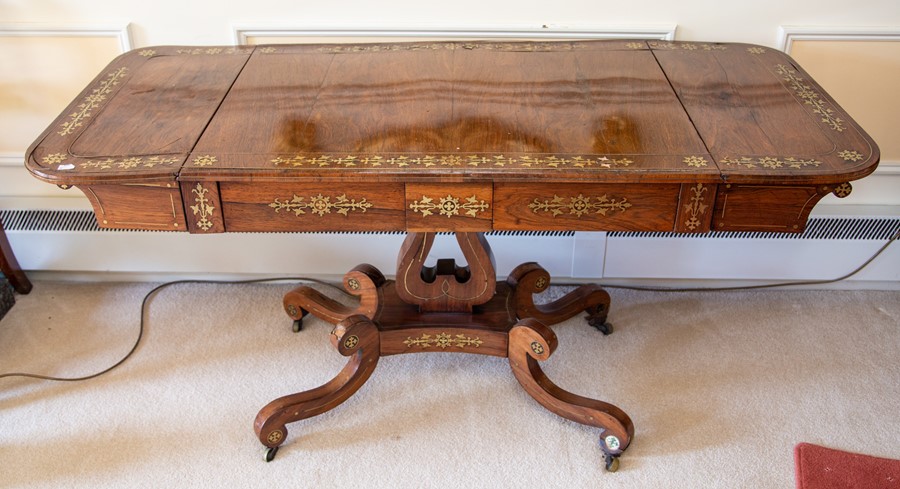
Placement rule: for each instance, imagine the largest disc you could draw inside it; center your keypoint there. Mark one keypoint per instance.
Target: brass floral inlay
(449, 206)
(351, 341)
(695, 161)
(771, 162)
(848, 155)
(696, 208)
(810, 97)
(205, 160)
(580, 205)
(321, 205)
(54, 159)
(453, 160)
(842, 190)
(203, 207)
(147, 53)
(635, 45)
(537, 348)
(275, 436)
(756, 50)
(92, 101)
(443, 341)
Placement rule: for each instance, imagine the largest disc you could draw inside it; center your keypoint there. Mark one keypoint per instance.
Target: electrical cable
(156, 289)
(761, 286)
(141, 326)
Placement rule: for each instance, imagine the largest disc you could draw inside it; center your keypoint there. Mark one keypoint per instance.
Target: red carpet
(823, 468)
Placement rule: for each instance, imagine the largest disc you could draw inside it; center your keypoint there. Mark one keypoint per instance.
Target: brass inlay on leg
(275, 436)
(351, 341)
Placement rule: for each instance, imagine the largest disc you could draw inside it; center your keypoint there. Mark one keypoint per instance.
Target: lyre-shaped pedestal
(447, 308)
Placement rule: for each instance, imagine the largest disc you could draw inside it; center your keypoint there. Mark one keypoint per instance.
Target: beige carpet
(721, 387)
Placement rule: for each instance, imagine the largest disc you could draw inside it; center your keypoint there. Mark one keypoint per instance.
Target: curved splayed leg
(530, 341)
(356, 337)
(530, 278)
(363, 281)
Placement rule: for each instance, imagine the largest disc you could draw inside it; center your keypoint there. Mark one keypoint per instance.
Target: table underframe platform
(447, 308)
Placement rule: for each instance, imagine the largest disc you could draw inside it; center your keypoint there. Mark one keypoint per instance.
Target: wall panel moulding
(260, 33)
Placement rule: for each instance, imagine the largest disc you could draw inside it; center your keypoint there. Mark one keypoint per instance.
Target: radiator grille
(817, 228)
(854, 228)
(83, 220)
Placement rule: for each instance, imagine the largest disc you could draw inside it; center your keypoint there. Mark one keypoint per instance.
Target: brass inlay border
(439, 46)
(443, 341)
(109, 163)
(213, 50)
(771, 162)
(92, 101)
(580, 205)
(203, 207)
(449, 206)
(430, 161)
(696, 208)
(321, 205)
(810, 97)
(687, 46)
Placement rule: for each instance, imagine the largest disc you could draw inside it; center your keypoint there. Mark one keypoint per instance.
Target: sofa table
(461, 137)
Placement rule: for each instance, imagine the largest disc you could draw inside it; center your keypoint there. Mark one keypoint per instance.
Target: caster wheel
(297, 326)
(270, 453)
(612, 463)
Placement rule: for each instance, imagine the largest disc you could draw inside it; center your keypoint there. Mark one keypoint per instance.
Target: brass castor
(602, 326)
(612, 463)
(270, 453)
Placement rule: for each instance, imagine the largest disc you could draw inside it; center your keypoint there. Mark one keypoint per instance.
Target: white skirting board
(642, 258)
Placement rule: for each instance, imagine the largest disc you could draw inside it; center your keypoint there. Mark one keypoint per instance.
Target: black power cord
(144, 304)
(327, 284)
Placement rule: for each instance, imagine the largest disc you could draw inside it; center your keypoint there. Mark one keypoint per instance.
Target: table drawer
(777, 208)
(137, 206)
(284, 207)
(587, 207)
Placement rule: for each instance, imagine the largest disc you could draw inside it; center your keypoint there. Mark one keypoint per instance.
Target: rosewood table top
(455, 136)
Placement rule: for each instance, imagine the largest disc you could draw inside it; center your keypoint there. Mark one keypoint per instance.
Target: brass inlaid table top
(453, 136)
(338, 137)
